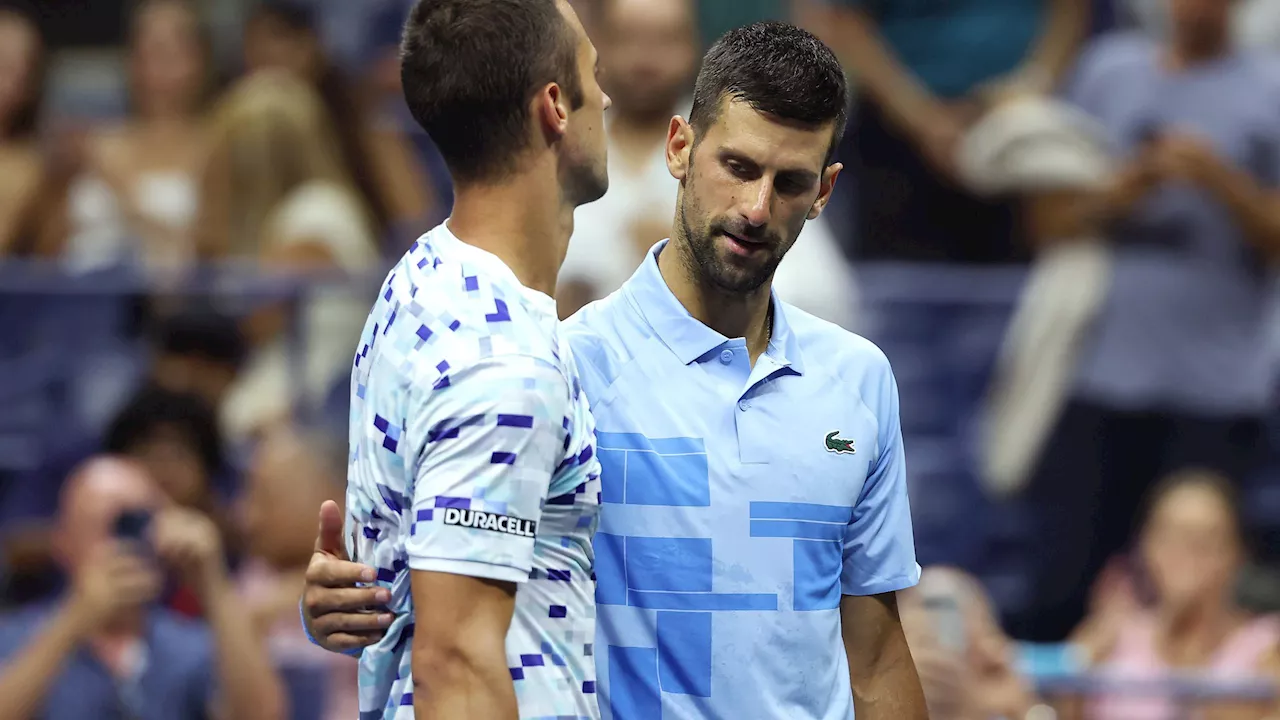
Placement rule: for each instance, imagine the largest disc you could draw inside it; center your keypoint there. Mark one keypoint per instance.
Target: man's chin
(732, 275)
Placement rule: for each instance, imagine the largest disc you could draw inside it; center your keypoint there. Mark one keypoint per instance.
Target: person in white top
(136, 197)
(277, 192)
(649, 56)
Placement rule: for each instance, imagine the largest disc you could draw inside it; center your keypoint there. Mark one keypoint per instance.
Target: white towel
(1030, 145)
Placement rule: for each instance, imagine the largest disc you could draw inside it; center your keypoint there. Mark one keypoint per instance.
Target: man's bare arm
(27, 678)
(881, 673)
(459, 647)
(854, 35)
(1066, 25)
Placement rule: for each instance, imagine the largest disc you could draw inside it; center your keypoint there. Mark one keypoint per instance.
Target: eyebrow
(797, 174)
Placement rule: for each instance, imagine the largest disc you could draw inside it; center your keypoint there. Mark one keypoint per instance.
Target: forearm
(1254, 208)
(464, 683)
(26, 679)
(888, 689)
(247, 680)
(1066, 25)
(880, 75)
(882, 674)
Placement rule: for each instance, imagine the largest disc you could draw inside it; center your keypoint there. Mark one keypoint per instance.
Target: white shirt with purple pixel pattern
(473, 453)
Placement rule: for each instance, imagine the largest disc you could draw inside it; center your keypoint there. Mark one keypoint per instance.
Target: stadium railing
(65, 329)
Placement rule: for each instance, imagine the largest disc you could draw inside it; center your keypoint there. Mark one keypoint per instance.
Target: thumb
(329, 538)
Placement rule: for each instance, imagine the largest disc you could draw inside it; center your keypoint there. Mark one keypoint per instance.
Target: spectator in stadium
(198, 351)
(1174, 373)
(648, 57)
(964, 659)
(278, 191)
(293, 471)
(1190, 553)
(1255, 23)
(282, 35)
(174, 435)
(136, 197)
(102, 650)
(925, 70)
(176, 438)
(21, 165)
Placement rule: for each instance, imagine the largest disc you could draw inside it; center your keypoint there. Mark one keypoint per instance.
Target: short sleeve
(879, 546)
(492, 441)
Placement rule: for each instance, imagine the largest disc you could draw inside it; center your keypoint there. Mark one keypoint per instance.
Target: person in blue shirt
(1175, 372)
(754, 521)
(104, 649)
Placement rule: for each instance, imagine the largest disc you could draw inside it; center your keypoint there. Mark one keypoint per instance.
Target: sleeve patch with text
(481, 520)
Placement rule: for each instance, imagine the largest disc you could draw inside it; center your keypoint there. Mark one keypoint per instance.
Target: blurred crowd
(1057, 218)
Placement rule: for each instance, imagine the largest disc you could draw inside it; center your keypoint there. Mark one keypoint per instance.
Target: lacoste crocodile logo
(838, 444)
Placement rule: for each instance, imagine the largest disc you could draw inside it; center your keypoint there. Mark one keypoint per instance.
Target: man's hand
(339, 614)
(190, 542)
(1180, 156)
(113, 581)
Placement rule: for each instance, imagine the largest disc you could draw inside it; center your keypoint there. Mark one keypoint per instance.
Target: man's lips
(742, 246)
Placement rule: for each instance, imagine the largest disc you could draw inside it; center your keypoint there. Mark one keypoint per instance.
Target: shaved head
(95, 494)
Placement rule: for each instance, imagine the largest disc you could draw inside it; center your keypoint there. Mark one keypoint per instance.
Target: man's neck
(744, 315)
(1184, 56)
(524, 221)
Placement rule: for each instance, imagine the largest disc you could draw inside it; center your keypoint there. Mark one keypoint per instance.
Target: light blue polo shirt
(739, 504)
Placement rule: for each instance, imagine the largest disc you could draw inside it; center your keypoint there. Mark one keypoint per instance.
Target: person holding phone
(105, 649)
(964, 659)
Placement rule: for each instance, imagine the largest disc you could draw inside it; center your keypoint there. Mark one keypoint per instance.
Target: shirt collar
(688, 338)
(490, 264)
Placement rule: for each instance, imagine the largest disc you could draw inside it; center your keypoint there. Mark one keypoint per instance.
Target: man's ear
(825, 186)
(679, 147)
(551, 111)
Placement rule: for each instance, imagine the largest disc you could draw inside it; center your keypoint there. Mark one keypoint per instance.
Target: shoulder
(848, 362)
(1115, 52)
(23, 168)
(846, 354)
(602, 336)
(443, 313)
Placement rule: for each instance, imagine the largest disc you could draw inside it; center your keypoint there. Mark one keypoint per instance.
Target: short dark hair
(779, 70)
(469, 69)
(202, 332)
(154, 409)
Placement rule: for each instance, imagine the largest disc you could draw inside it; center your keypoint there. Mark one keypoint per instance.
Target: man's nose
(756, 206)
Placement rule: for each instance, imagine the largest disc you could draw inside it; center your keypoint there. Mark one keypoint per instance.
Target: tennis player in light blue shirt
(741, 504)
(754, 523)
